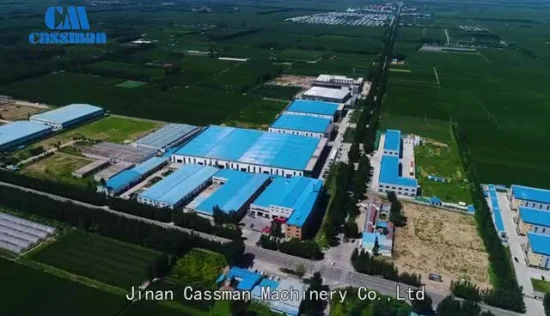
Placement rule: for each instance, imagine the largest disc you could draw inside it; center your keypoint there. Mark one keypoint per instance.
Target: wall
(328, 117)
(399, 190)
(295, 132)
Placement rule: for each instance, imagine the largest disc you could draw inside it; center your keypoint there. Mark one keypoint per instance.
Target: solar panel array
(18, 234)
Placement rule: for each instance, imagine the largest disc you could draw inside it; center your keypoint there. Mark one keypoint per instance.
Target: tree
(423, 307)
(300, 270)
(312, 305)
(546, 303)
(376, 247)
(392, 197)
(238, 308)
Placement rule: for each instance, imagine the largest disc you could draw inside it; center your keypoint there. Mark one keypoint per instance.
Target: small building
(15, 134)
(90, 168)
(392, 142)
(68, 116)
(327, 94)
(339, 82)
(391, 179)
(245, 279)
(289, 306)
(292, 200)
(112, 171)
(497, 214)
(327, 110)
(178, 188)
(167, 136)
(529, 197)
(127, 178)
(532, 220)
(116, 153)
(369, 240)
(537, 250)
(302, 125)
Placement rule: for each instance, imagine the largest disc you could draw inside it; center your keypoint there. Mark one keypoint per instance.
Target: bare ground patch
(14, 112)
(290, 80)
(441, 242)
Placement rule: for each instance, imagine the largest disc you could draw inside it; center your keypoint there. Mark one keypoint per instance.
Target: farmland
(106, 260)
(41, 293)
(275, 92)
(58, 168)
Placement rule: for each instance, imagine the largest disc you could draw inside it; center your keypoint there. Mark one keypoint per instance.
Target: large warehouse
(392, 180)
(392, 142)
(68, 116)
(19, 133)
(327, 94)
(302, 125)
(529, 197)
(231, 191)
(127, 178)
(292, 200)
(168, 136)
(179, 187)
(320, 109)
(252, 151)
(532, 220)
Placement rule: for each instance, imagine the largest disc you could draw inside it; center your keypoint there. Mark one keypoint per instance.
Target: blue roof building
(235, 191)
(313, 108)
(392, 142)
(538, 253)
(246, 279)
(127, 178)
(179, 187)
(19, 133)
(252, 151)
(293, 199)
(68, 116)
(534, 216)
(167, 136)
(391, 180)
(302, 125)
(289, 306)
(499, 223)
(530, 197)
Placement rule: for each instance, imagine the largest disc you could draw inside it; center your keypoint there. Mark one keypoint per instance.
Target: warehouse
(231, 191)
(112, 171)
(166, 137)
(302, 125)
(391, 180)
(179, 187)
(127, 178)
(392, 142)
(529, 197)
(497, 212)
(320, 109)
(532, 220)
(68, 116)
(118, 153)
(252, 151)
(339, 82)
(327, 94)
(538, 250)
(20, 133)
(293, 200)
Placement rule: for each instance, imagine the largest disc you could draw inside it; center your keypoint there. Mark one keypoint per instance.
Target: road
(336, 276)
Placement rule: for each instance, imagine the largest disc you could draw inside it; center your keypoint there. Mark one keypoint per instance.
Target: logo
(66, 19)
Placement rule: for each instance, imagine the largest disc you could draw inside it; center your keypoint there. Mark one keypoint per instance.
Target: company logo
(67, 19)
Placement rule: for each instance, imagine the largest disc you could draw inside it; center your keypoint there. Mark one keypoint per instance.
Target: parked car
(516, 259)
(435, 277)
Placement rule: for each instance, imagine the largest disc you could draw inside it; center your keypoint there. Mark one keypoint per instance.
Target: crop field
(242, 76)
(443, 242)
(103, 259)
(124, 70)
(434, 129)
(39, 293)
(130, 84)
(272, 91)
(353, 65)
(259, 115)
(58, 168)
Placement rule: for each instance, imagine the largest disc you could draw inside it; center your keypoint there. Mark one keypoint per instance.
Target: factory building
(178, 188)
(532, 220)
(537, 250)
(302, 125)
(391, 178)
(68, 116)
(116, 153)
(20, 133)
(252, 151)
(529, 197)
(339, 82)
(327, 94)
(166, 137)
(497, 213)
(231, 191)
(392, 143)
(128, 178)
(326, 110)
(291, 200)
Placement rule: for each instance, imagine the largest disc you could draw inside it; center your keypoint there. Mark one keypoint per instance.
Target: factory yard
(442, 242)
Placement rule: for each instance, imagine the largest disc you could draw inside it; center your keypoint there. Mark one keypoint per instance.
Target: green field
(59, 168)
(103, 259)
(114, 129)
(259, 115)
(540, 285)
(37, 293)
(275, 92)
(433, 129)
(130, 84)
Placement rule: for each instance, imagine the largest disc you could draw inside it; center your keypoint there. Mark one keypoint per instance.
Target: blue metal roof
(253, 147)
(150, 164)
(392, 140)
(247, 279)
(313, 107)
(67, 113)
(234, 193)
(496, 209)
(20, 129)
(389, 173)
(298, 193)
(127, 177)
(531, 194)
(265, 283)
(172, 189)
(540, 243)
(534, 216)
(382, 224)
(302, 123)
(166, 136)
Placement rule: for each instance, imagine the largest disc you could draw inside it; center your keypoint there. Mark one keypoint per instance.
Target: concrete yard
(443, 242)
